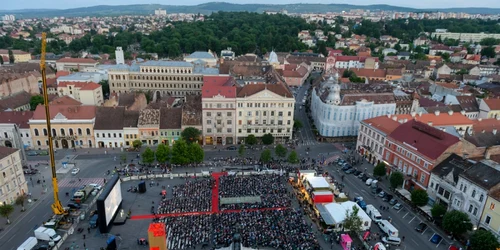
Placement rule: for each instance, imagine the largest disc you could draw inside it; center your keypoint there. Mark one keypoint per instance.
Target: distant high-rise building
(9, 18)
(160, 12)
(120, 59)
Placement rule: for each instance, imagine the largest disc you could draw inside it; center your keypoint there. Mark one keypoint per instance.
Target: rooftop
(130, 118)
(438, 119)
(65, 100)
(15, 101)
(167, 64)
(76, 60)
(109, 118)
(482, 175)
(252, 89)
(20, 118)
(218, 85)
(149, 117)
(192, 111)
(428, 141)
(70, 112)
(6, 151)
(493, 104)
(201, 54)
(382, 123)
(170, 118)
(454, 165)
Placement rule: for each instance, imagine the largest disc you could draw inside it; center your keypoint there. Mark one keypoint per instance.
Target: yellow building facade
(490, 218)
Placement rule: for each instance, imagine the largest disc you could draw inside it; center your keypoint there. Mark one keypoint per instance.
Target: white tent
(318, 183)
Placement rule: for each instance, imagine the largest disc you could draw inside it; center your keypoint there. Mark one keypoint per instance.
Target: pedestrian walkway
(331, 159)
(152, 216)
(307, 143)
(339, 146)
(78, 182)
(215, 191)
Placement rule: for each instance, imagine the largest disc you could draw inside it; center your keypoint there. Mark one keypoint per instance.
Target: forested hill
(207, 8)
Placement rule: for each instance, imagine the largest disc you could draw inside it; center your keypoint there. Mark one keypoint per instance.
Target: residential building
(338, 113)
(192, 113)
(465, 37)
(490, 217)
(469, 105)
(13, 183)
(75, 64)
(15, 131)
(163, 78)
(420, 41)
(263, 109)
(474, 185)
(207, 57)
(357, 62)
(170, 125)
(130, 129)
(437, 119)
(17, 102)
(72, 126)
(131, 101)
(219, 110)
(12, 83)
(489, 108)
(444, 178)
(108, 127)
(149, 126)
(414, 148)
(88, 93)
(120, 58)
(19, 55)
(372, 135)
(295, 75)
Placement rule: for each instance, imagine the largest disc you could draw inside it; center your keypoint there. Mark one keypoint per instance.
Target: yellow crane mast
(57, 208)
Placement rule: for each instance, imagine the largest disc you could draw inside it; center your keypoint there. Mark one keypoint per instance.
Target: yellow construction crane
(57, 208)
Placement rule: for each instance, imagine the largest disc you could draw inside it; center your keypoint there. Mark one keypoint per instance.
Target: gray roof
(205, 71)
(167, 64)
(6, 151)
(453, 164)
(201, 54)
(482, 175)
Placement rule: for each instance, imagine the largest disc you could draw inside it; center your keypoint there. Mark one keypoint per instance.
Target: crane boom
(57, 207)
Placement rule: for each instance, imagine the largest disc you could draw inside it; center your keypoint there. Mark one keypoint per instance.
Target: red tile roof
(426, 140)
(90, 86)
(215, 85)
(71, 112)
(20, 118)
(443, 119)
(65, 100)
(382, 123)
(81, 85)
(493, 104)
(62, 73)
(354, 58)
(76, 60)
(486, 124)
(252, 89)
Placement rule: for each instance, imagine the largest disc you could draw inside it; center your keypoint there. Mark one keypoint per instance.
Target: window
(70, 131)
(38, 143)
(475, 211)
(63, 133)
(97, 135)
(114, 135)
(88, 131)
(44, 132)
(209, 113)
(473, 193)
(229, 114)
(54, 132)
(470, 208)
(229, 122)
(229, 130)
(209, 130)
(487, 220)
(36, 132)
(79, 131)
(481, 197)
(209, 121)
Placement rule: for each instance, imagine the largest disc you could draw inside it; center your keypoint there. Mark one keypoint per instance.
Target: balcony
(219, 125)
(260, 126)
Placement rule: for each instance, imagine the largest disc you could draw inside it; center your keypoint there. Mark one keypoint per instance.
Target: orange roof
(71, 112)
(80, 85)
(62, 73)
(486, 124)
(443, 119)
(65, 100)
(382, 123)
(493, 104)
(90, 86)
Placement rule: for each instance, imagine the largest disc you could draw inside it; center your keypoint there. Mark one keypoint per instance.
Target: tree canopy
(438, 211)
(6, 210)
(379, 170)
(456, 222)
(483, 240)
(293, 158)
(180, 152)
(280, 151)
(419, 197)
(396, 179)
(268, 139)
(137, 144)
(266, 156)
(35, 101)
(251, 140)
(162, 153)
(148, 156)
(352, 221)
(191, 134)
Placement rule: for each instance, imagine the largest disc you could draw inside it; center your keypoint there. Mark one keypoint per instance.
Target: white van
(369, 181)
(374, 183)
(392, 240)
(388, 228)
(373, 213)
(28, 244)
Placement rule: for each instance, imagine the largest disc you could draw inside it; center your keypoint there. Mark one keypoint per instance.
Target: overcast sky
(66, 4)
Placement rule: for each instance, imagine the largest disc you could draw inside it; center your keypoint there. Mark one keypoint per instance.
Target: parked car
(74, 205)
(357, 172)
(388, 197)
(231, 148)
(365, 178)
(369, 181)
(382, 194)
(398, 206)
(43, 152)
(32, 153)
(95, 186)
(340, 162)
(393, 201)
(75, 171)
(350, 171)
(346, 167)
(436, 238)
(421, 227)
(361, 175)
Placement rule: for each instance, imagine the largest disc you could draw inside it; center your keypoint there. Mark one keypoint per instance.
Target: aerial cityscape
(242, 125)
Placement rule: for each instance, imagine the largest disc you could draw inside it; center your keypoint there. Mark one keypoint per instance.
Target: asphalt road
(404, 220)
(304, 135)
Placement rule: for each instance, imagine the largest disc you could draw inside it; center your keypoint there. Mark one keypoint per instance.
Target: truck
(81, 195)
(47, 234)
(373, 213)
(359, 200)
(388, 228)
(28, 244)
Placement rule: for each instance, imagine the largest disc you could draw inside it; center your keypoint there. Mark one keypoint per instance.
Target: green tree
(489, 41)
(241, 150)
(191, 134)
(267, 139)
(438, 211)
(105, 87)
(137, 144)
(280, 151)
(11, 57)
(123, 157)
(379, 170)
(196, 153)
(265, 156)
(352, 221)
(6, 210)
(483, 240)
(251, 140)
(162, 153)
(488, 52)
(419, 197)
(35, 101)
(293, 158)
(20, 201)
(180, 153)
(456, 222)
(148, 156)
(297, 124)
(396, 179)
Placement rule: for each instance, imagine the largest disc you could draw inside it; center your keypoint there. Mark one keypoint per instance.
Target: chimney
(494, 131)
(420, 113)
(388, 115)
(394, 118)
(487, 154)
(450, 112)
(413, 114)
(429, 123)
(437, 112)
(462, 112)
(479, 119)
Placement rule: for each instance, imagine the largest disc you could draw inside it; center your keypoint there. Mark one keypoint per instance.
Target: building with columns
(163, 78)
(219, 110)
(72, 126)
(264, 108)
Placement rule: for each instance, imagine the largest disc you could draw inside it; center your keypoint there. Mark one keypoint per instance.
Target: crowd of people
(271, 189)
(278, 229)
(193, 196)
(187, 232)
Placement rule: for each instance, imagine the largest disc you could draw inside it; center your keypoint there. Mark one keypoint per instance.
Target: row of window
(264, 113)
(157, 85)
(413, 157)
(103, 135)
(219, 114)
(166, 70)
(62, 132)
(264, 122)
(463, 188)
(219, 130)
(406, 168)
(219, 105)
(266, 105)
(56, 143)
(264, 131)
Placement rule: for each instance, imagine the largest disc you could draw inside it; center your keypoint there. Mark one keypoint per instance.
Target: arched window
(88, 131)
(63, 133)
(45, 132)
(70, 131)
(36, 132)
(54, 132)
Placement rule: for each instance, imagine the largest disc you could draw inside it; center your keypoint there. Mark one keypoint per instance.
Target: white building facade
(13, 183)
